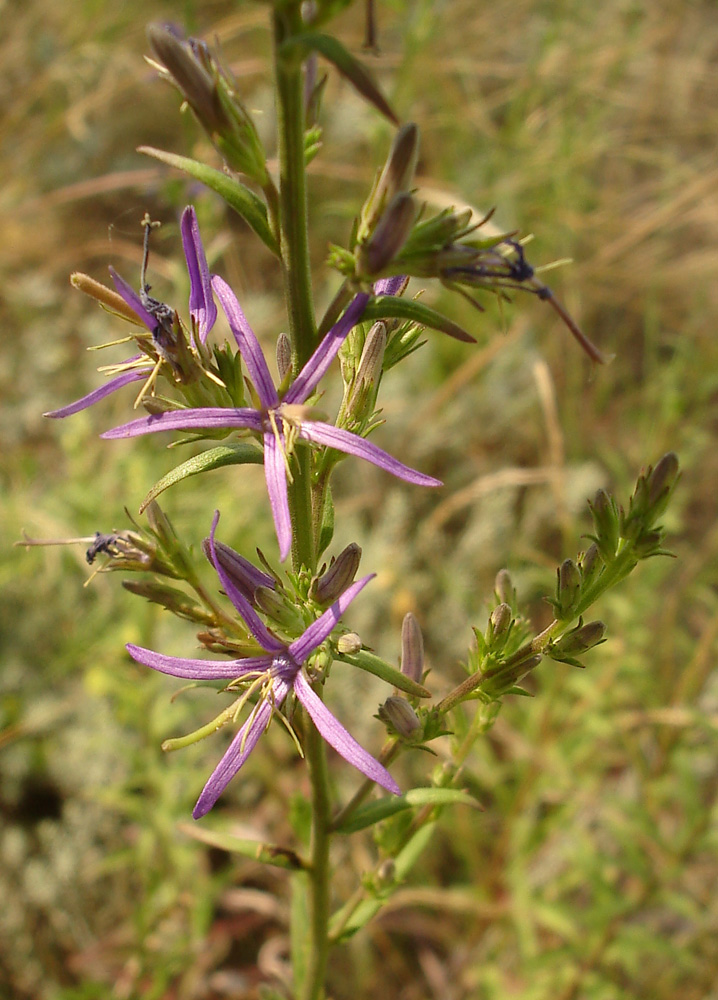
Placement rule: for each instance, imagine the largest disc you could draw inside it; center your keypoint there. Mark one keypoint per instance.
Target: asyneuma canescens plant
(284, 630)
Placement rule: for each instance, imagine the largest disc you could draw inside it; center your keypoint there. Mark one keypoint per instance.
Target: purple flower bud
(389, 236)
(335, 580)
(662, 478)
(412, 648)
(400, 717)
(569, 587)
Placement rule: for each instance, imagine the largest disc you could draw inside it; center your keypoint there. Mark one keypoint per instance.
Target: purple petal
(201, 304)
(198, 670)
(97, 394)
(239, 750)
(336, 736)
(248, 344)
(207, 418)
(352, 444)
(390, 286)
(255, 624)
(133, 300)
(244, 574)
(318, 631)
(275, 473)
(309, 377)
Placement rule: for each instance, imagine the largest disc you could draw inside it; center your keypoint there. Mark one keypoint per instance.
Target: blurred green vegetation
(591, 873)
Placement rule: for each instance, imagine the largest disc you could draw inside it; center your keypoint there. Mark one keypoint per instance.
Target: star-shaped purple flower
(279, 421)
(203, 314)
(278, 671)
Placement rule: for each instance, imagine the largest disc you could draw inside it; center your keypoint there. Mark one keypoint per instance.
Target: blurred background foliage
(591, 873)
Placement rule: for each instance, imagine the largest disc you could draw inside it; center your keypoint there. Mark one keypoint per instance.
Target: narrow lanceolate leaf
(241, 453)
(239, 197)
(268, 854)
(341, 929)
(349, 67)
(375, 812)
(380, 668)
(391, 307)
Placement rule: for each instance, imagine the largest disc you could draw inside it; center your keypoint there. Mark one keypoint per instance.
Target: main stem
(287, 23)
(319, 875)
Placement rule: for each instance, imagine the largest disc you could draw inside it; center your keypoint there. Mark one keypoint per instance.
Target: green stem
(294, 241)
(320, 875)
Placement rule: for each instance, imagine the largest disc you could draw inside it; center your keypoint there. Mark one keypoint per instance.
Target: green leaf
(239, 197)
(376, 812)
(393, 307)
(380, 668)
(349, 67)
(268, 854)
(404, 862)
(241, 453)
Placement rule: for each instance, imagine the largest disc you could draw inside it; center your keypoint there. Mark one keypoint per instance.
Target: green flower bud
(284, 356)
(500, 619)
(568, 587)
(504, 588)
(368, 370)
(581, 638)
(606, 521)
(349, 643)
(171, 598)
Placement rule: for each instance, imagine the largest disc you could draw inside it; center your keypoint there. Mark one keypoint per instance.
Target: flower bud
(590, 564)
(504, 588)
(389, 236)
(398, 715)
(284, 356)
(206, 88)
(241, 572)
(369, 368)
(661, 481)
(270, 602)
(500, 619)
(171, 598)
(412, 648)
(606, 521)
(349, 643)
(396, 177)
(340, 575)
(569, 587)
(581, 638)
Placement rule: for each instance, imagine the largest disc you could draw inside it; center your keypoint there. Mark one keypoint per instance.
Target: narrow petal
(390, 286)
(337, 736)
(309, 377)
(201, 304)
(198, 670)
(275, 472)
(133, 300)
(97, 394)
(318, 631)
(248, 344)
(242, 571)
(255, 624)
(352, 444)
(207, 418)
(239, 750)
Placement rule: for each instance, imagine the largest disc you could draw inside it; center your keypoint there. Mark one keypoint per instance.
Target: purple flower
(203, 313)
(279, 421)
(274, 674)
